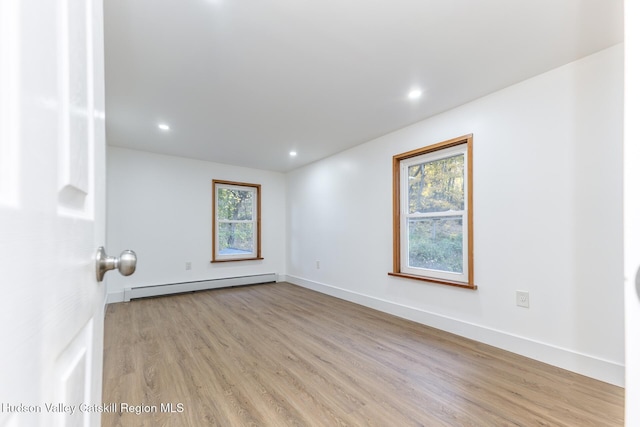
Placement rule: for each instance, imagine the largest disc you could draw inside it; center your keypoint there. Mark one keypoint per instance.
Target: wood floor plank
(281, 355)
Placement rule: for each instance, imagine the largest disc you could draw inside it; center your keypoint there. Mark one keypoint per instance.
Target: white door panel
(52, 144)
(632, 212)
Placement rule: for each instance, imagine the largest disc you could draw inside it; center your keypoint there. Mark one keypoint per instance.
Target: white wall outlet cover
(522, 299)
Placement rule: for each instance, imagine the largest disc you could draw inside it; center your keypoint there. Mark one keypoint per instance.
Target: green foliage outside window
(436, 244)
(235, 205)
(436, 186)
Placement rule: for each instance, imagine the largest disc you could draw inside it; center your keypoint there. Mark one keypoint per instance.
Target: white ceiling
(244, 82)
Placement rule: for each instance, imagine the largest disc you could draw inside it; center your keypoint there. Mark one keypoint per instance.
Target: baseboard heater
(176, 288)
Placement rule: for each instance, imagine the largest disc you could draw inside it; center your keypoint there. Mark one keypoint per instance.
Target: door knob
(125, 263)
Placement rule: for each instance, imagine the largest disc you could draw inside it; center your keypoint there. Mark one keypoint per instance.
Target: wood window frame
(257, 254)
(397, 216)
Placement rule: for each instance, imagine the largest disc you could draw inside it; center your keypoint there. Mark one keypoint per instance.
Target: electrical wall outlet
(522, 299)
(187, 265)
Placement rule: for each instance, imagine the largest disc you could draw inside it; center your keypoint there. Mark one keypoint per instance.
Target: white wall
(632, 210)
(160, 206)
(548, 220)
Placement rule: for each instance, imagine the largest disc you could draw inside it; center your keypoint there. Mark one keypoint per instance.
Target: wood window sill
(236, 259)
(432, 280)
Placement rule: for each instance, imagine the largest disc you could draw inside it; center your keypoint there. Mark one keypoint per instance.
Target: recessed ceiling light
(415, 94)
(293, 153)
(163, 126)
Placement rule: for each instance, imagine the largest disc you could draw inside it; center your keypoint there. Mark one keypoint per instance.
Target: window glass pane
(435, 243)
(235, 238)
(235, 204)
(437, 186)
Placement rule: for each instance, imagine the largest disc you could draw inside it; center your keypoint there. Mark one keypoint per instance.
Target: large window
(236, 221)
(432, 221)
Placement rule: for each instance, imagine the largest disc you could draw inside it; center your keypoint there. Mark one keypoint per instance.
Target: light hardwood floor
(281, 355)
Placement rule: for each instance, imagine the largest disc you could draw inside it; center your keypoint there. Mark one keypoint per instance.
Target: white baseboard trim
(584, 364)
(127, 294)
(114, 297)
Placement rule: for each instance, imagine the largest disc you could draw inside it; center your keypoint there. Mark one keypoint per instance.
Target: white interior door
(52, 178)
(632, 211)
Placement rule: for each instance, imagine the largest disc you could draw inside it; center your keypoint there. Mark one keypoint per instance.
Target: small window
(236, 221)
(433, 222)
